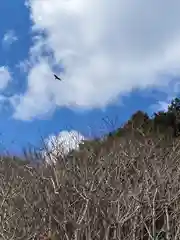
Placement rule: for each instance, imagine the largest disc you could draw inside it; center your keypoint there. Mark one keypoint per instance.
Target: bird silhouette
(56, 77)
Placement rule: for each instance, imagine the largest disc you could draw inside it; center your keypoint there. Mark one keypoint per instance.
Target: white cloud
(170, 92)
(61, 144)
(5, 77)
(107, 47)
(161, 106)
(9, 38)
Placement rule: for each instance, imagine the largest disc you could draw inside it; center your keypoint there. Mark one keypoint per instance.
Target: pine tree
(174, 108)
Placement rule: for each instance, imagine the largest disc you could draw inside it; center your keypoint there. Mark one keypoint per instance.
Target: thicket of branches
(125, 187)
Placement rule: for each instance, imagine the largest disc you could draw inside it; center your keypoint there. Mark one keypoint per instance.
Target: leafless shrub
(127, 190)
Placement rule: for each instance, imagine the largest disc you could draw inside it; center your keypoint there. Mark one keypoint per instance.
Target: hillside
(124, 187)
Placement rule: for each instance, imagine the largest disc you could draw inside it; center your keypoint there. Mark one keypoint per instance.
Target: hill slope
(125, 187)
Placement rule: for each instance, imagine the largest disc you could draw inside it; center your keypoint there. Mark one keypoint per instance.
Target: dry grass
(130, 191)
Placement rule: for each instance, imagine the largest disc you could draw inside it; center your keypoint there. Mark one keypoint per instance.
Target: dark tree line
(166, 123)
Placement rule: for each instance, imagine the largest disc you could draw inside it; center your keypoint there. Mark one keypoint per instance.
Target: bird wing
(57, 77)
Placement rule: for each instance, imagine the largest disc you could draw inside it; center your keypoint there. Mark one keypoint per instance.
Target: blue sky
(113, 58)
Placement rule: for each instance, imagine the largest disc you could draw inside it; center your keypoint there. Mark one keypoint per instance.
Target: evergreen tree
(174, 108)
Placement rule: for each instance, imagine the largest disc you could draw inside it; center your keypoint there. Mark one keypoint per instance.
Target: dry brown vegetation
(129, 191)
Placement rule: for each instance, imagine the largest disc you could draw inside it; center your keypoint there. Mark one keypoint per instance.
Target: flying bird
(56, 77)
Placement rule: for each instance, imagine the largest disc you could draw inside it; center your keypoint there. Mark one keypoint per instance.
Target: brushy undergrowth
(129, 191)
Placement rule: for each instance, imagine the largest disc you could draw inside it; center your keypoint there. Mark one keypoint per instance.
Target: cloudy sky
(114, 57)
